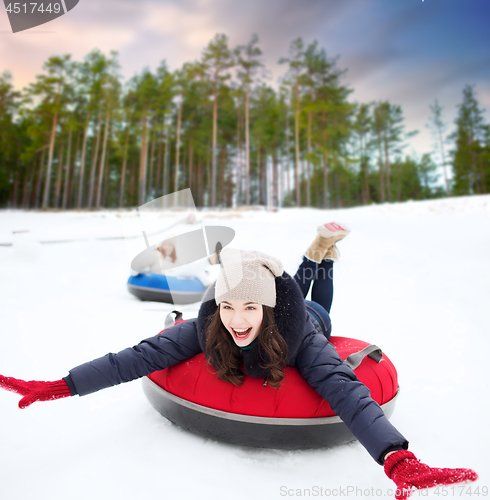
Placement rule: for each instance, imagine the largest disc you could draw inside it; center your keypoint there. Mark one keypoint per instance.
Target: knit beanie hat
(247, 275)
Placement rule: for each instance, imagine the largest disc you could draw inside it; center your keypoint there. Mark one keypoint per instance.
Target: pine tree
(469, 172)
(217, 58)
(111, 95)
(389, 132)
(146, 92)
(249, 63)
(293, 80)
(438, 127)
(362, 127)
(51, 91)
(332, 125)
(9, 104)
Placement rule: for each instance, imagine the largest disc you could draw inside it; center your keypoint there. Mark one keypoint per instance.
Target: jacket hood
(289, 314)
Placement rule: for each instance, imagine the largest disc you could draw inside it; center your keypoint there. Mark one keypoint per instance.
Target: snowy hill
(413, 278)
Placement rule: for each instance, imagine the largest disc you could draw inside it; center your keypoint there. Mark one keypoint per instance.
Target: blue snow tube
(170, 289)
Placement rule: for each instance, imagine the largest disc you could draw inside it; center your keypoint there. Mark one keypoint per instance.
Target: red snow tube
(292, 417)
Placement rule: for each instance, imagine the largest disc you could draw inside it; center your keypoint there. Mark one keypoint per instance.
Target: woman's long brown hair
(225, 356)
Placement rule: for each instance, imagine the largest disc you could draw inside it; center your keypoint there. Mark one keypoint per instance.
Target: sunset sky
(409, 52)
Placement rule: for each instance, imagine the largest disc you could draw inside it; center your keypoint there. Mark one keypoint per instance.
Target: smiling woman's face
(242, 319)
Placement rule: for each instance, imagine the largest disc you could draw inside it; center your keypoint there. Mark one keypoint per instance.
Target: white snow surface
(413, 278)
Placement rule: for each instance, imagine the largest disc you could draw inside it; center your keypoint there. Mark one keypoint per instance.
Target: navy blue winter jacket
(308, 350)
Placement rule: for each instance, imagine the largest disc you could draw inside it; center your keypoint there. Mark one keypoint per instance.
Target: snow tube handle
(170, 320)
(372, 351)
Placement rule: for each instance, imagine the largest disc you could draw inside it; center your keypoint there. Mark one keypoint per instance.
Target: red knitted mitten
(35, 391)
(409, 474)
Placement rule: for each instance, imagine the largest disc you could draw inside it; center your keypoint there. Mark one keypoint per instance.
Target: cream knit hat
(247, 275)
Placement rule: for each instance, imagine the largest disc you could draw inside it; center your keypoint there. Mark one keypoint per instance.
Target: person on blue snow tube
(254, 321)
(163, 259)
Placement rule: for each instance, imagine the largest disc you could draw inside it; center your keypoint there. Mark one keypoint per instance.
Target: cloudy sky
(409, 52)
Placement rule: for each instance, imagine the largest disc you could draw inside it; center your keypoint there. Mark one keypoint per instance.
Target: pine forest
(79, 137)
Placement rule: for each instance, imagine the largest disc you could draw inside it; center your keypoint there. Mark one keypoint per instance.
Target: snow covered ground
(414, 278)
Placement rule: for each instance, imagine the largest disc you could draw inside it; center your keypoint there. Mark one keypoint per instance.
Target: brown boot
(332, 253)
(323, 247)
(320, 246)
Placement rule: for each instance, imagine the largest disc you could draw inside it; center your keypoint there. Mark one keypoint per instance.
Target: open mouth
(241, 333)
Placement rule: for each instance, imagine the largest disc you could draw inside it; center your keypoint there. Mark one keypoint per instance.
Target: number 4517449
(461, 491)
(30, 8)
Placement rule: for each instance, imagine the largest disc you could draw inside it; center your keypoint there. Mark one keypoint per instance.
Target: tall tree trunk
(296, 146)
(40, 178)
(308, 163)
(229, 184)
(361, 170)
(81, 178)
(59, 175)
(238, 171)
(105, 184)
(275, 180)
(31, 202)
(367, 190)
(482, 175)
(476, 187)
(288, 158)
(67, 172)
(259, 177)
(381, 172)
(215, 141)
(326, 193)
(183, 162)
(221, 181)
(95, 154)
(14, 194)
(366, 195)
(443, 157)
(123, 168)
(24, 179)
(143, 160)
(71, 197)
(387, 169)
(177, 147)
(27, 188)
(166, 162)
(132, 183)
(347, 185)
(338, 194)
(199, 200)
(102, 157)
(247, 145)
(191, 159)
(24, 185)
(153, 140)
(208, 179)
(47, 184)
(161, 137)
(399, 182)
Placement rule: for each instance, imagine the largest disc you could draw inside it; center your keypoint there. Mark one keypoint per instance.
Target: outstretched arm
(321, 366)
(175, 344)
(323, 369)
